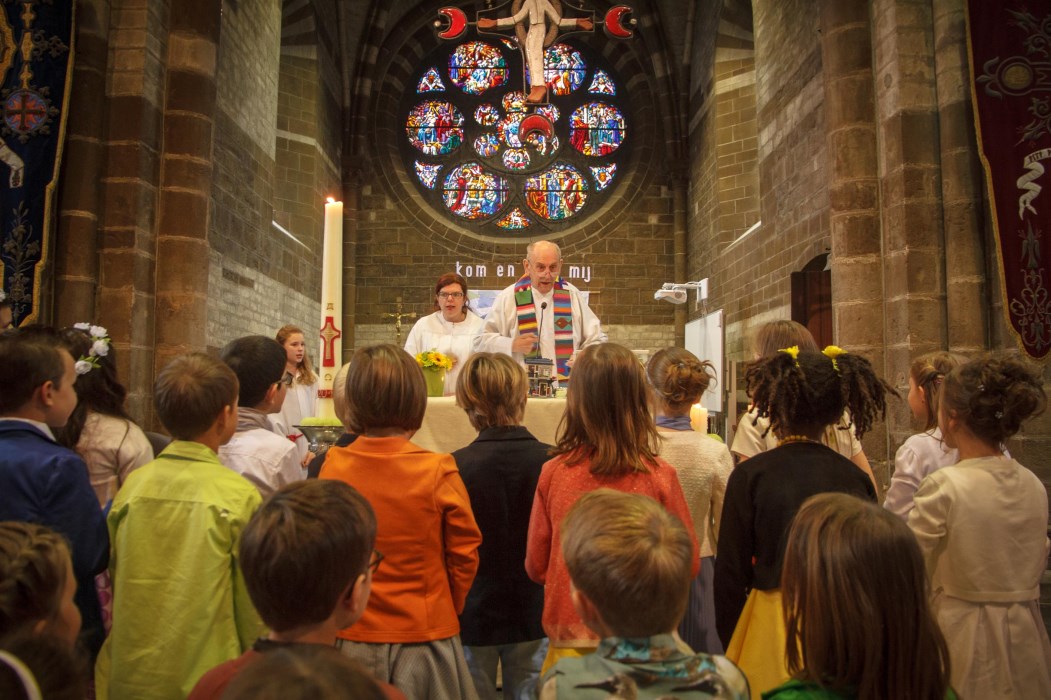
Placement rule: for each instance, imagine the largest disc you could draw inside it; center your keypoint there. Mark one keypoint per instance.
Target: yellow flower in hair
(832, 352)
(793, 351)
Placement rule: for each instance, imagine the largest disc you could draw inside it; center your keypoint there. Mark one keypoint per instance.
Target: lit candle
(699, 418)
(331, 307)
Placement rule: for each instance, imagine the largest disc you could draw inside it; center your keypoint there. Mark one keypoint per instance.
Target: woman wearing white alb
(450, 330)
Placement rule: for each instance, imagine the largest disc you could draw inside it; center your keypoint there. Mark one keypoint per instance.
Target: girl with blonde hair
(301, 397)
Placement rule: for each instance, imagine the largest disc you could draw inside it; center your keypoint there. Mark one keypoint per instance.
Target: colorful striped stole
(563, 309)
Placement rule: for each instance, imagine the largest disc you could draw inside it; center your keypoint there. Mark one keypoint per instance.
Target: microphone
(540, 330)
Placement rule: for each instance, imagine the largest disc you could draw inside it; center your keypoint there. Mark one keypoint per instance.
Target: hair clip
(832, 352)
(99, 347)
(999, 415)
(793, 351)
(981, 388)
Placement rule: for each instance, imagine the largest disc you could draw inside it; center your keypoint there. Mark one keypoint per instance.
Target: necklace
(796, 438)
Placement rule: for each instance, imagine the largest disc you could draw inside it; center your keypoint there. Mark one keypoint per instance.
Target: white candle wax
(331, 355)
(699, 418)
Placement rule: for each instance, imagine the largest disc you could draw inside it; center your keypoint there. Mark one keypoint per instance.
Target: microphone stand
(540, 331)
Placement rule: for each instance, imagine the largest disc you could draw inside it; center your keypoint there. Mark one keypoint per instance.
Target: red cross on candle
(329, 333)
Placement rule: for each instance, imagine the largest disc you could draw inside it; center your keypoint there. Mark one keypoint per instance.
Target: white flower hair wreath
(99, 347)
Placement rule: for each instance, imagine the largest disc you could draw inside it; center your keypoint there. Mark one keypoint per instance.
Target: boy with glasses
(255, 451)
(308, 562)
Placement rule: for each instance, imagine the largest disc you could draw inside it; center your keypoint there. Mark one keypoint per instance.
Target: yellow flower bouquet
(434, 360)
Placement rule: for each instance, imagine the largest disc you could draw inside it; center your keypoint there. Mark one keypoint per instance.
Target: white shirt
(266, 459)
(455, 339)
(300, 402)
(112, 448)
(749, 440)
(501, 325)
(918, 457)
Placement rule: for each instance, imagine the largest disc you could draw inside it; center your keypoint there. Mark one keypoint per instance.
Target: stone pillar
(186, 179)
(914, 241)
(351, 211)
(967, 306)
(76, 240)
(854, 201)
(125, 296)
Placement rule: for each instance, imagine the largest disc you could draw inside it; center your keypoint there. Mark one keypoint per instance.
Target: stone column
(854, 201)
(186, 179)
(967, 305)
(76, 240)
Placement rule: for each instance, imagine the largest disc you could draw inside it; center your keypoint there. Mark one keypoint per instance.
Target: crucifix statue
(398, 315)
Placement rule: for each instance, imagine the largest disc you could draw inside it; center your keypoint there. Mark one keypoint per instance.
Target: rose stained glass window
(523, 166)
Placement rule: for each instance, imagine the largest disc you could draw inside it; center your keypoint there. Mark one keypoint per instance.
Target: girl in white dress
(301, 398)
(926, 452)
(982, 527)
(450, 330)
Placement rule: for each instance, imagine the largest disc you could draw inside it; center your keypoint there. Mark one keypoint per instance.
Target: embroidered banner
(35, 72)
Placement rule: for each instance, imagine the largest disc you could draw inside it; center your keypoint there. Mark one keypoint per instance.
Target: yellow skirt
(758, 643)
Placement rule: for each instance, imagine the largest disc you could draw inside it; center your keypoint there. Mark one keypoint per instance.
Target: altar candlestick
(331, 307)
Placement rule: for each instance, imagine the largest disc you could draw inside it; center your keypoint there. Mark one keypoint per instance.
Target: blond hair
(631, 558)
(304, 370)
(776, 335)
(32, 575)
(607, 419)
(492, 390)
(678, 379)
(190, 393)
(928, 371)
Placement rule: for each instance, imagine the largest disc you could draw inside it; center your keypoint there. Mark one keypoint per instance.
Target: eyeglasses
(287, 379)
(375, 563)
(450, 295)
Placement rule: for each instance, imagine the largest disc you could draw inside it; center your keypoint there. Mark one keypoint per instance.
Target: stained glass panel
(507, 130)
(510, 44)
(476, 66)
(473, 192)
(596, 129)
(515, 220)
(514, 101)
(435, 128)
(549, 112)
(557, 193)
(430, 82)
(602, 84)
(541, 143)
(428, 174)
(603, 175)
(486, 115)
(564, 69)
(486, 145)
(516, 158)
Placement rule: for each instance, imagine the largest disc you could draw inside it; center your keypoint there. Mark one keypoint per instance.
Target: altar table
(446, 428)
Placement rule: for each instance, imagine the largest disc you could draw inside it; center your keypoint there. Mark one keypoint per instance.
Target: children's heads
(303, 672)
(854, 593)
(192, 392)
(259, 363)
(607, 418)
(925, 380)
(630, 562)
(36, 583)
(305, 555)
(98, 389)
(677, 378)
(779, 334)
(990, 397)
(294, 342)
(803, 392)
(37, 377)
(385, 390)
(492, 390)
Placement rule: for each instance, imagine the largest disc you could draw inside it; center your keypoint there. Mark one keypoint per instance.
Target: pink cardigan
(558, 489)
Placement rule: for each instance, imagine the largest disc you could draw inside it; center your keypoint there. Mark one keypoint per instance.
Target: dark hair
(993, 395)
(631, 558)
(678, 378)
(929, 371)
(60, 672)
(258, 362)
(780, 334)
(812, 390)
(492, 390)
(447, 279)
(385, 389)
(302, 548)
(855, 604)
(607, 418)
(98, 390)
(190, 393)
(32, 575)
(27, 362)
(303, 672)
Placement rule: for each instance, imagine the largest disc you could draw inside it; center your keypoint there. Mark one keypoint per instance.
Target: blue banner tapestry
(35, 72)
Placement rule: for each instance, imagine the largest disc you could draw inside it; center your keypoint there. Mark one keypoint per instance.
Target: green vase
(435, 381)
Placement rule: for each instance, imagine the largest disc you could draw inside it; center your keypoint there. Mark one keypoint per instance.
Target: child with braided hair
(982, 527)
(802, 393)
(36, 583)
